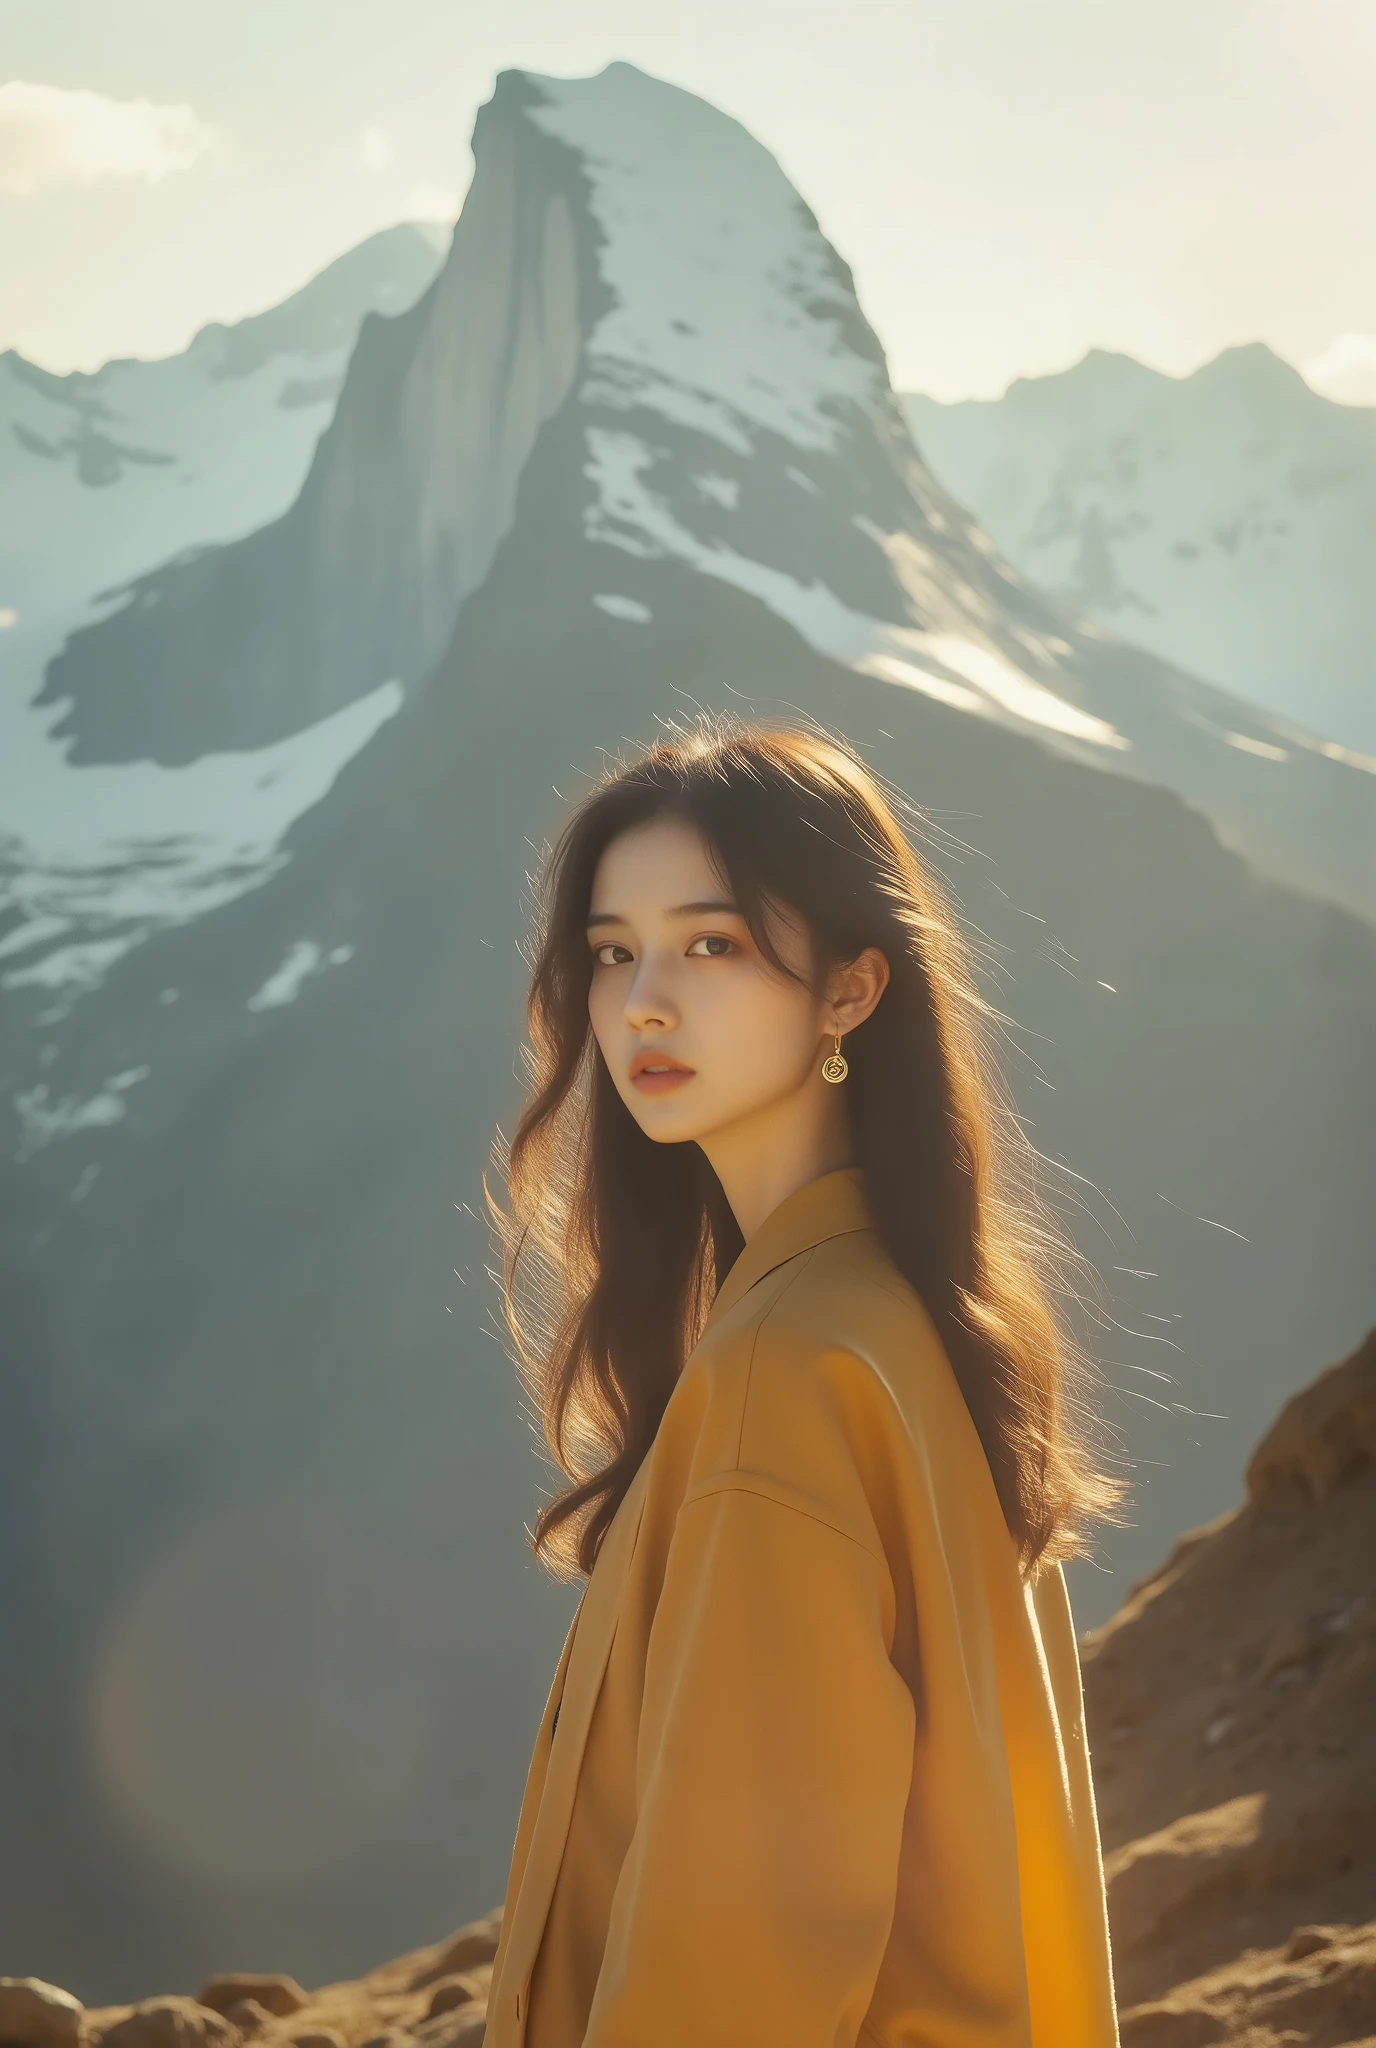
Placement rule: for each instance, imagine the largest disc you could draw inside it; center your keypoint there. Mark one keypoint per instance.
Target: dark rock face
(411, 492)
(280, 1647)
(389, 270)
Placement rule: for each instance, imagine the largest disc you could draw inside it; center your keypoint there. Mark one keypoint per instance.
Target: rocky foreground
(1232, 1716)
(1232, 1721)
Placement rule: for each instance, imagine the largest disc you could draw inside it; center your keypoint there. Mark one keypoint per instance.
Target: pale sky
(1012, 181)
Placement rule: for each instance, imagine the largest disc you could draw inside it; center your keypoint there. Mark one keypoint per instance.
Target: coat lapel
(830, 1206)
(589, 1648)
(827, 1207)
(534, 1792)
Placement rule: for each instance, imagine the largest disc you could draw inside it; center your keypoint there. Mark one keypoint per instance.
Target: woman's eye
(602, 954)
(713, 946)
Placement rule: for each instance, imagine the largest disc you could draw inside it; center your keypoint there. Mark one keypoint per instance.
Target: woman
(813, 1766)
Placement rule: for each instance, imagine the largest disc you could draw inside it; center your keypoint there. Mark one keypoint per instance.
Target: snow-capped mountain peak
(631, 262)
(730, 311)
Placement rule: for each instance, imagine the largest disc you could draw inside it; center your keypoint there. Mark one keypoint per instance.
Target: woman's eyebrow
(704, 909)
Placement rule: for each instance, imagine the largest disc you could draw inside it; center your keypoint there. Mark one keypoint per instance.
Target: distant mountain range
(108, 474)
(278, 1643)
(1225, 520)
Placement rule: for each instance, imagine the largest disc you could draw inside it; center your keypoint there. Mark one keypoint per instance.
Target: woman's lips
(660, 1078)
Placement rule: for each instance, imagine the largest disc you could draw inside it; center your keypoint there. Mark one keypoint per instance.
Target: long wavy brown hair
(613, 1245)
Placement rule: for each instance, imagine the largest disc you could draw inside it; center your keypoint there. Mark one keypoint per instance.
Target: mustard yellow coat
(813, 1768)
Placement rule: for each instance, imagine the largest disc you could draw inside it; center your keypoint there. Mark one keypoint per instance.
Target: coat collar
(829, 1206)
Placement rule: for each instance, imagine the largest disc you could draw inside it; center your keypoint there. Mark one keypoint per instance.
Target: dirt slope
(1232, 1719)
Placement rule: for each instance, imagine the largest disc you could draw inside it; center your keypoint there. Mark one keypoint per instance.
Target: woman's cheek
(602, 1020)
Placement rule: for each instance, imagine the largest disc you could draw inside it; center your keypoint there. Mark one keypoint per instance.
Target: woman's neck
(767, 1157)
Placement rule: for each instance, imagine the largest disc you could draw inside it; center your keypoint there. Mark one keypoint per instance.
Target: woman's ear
(855, 989)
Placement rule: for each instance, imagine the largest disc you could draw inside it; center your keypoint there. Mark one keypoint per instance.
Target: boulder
(1308, 1941)
(278, 1995)
(248, 2017)
(472, 1945)
(451, 2029)
(38, 2015)
(171, 2023)
(454, 1991)
(470, 2031)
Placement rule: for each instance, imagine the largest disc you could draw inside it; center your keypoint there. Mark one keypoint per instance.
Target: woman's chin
(670, 1123)
(676, 1117)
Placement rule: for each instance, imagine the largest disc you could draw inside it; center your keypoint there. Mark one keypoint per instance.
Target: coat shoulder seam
(738, 1481)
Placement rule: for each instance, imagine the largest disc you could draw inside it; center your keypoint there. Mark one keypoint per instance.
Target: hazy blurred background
(338, 546)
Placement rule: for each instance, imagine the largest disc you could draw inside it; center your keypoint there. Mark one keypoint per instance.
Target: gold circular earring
(835, 1067)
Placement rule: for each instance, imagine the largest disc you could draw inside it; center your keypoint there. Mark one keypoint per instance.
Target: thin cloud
(52, 136)
(431, 202)
(376, 149)
(1346, 370)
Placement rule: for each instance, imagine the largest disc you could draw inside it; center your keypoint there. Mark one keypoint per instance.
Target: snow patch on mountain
(304, 959)
(947, 666)
(42, 1121)
(94, 860)
(618, 607)
(731, 317)
(731, 312)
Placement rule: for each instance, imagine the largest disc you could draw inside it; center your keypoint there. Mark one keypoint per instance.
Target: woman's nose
(649, 1004)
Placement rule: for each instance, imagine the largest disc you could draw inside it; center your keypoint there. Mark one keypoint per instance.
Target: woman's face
(698, 1031)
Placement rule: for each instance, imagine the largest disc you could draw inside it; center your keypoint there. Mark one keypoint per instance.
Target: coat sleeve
(775, 1757)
